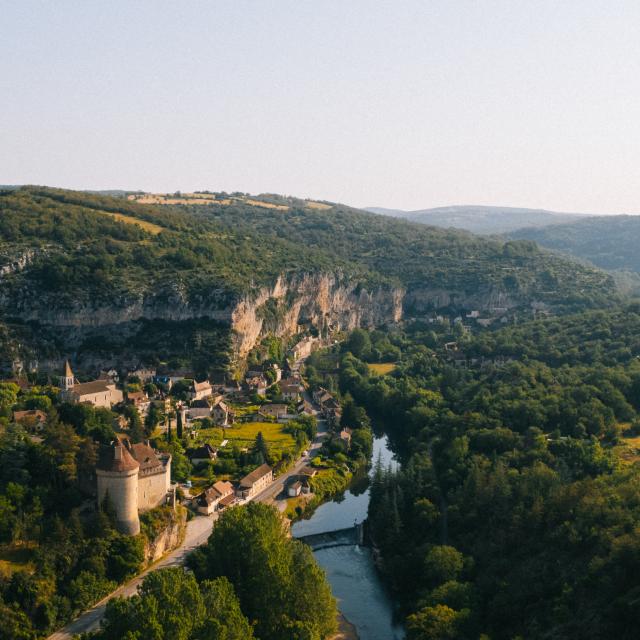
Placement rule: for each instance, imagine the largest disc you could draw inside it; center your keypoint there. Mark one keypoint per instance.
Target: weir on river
(338, 538)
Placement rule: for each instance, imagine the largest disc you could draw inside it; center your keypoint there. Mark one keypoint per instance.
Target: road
(198, 531)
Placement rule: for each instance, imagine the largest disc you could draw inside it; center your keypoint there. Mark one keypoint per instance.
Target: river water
(362, 597)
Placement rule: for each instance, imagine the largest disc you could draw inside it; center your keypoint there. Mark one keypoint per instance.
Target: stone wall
(152, 489)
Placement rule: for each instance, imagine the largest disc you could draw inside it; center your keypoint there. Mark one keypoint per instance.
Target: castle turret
(67, 380)
(117, 474)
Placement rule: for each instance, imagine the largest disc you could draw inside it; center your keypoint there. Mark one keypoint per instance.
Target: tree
(171, 605)
(15, 624)
(278, 584)
(442, 563)
(434, 623)
(359, 343)
(260, 449)
(179, 424)
(154, 416)
(224, 619)
(125, 557)
(136, 431)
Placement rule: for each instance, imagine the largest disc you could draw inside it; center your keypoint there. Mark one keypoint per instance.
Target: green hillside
(610, 242)
(64, 250)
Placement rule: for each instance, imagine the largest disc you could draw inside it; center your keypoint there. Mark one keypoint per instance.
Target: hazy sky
(398, 103)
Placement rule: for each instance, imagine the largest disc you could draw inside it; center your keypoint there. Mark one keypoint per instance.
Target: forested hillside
(610, 242)
(414, 254)
(515, 512)
(88, 272)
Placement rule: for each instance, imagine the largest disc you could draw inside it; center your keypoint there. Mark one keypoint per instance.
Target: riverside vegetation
(516, 509)
(250, 578)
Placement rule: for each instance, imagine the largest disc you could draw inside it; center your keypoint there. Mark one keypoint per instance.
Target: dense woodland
(516, 510)
(68, 557)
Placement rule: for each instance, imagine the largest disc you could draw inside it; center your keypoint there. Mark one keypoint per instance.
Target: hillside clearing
(318, 205)
(147, 226)
(14, 559)
(381, 368)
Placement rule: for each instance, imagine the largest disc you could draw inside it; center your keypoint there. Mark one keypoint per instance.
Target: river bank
(346, 631)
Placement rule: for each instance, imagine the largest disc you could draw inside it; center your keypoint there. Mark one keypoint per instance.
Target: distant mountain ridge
(484, 220)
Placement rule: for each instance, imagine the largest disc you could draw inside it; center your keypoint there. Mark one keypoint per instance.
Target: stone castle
(135, 478)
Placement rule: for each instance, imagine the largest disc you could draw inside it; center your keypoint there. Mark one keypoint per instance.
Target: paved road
(198, 531)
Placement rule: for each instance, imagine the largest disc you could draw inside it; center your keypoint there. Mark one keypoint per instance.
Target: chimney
(117, 452)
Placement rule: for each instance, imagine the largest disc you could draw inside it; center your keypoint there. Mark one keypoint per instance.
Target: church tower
(68, 379)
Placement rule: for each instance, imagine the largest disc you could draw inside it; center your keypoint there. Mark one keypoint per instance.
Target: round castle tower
(117, 474)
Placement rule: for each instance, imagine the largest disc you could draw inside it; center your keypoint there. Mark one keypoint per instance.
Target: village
(204, 445)
(162, 452)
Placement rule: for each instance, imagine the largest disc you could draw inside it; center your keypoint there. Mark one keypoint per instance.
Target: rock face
(296, 302)
(166, 540)
(421, 299)
(292, 304)
(322, 301)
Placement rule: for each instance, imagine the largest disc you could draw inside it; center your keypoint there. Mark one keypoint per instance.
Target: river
(362, 597)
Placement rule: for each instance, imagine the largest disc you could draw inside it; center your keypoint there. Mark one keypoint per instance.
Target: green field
(381, 368)
(243, 435)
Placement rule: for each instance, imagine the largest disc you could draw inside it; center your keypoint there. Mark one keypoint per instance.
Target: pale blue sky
(397, 103)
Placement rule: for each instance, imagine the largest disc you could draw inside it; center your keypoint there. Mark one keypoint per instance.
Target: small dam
(348, 537)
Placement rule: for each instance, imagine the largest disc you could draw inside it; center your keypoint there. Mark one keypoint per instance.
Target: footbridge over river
(339, 538)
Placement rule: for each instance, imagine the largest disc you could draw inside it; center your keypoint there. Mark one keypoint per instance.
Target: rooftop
(249, 480)
(88, 388)
(116, 457)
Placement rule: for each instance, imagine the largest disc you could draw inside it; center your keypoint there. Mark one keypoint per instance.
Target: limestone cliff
(116, 319)
(108, 326)
(322, 301)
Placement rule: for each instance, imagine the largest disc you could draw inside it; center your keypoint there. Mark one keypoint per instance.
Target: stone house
(291, 388)
(222, 415)
(143, 374)
(199, 409)
(255, 482)
(276, 411)
(305, 407)
(257, 384)
(211, 498)
(200, 390)
(140, 401)
(205, 453)
(294, 489)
